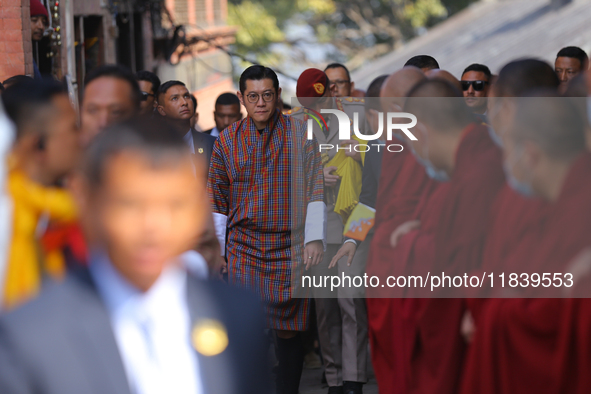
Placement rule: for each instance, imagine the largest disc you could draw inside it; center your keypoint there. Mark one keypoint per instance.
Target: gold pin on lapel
(209, 337)
(200, 150)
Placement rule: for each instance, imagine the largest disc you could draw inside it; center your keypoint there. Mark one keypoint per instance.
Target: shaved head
(396, 87)
(445, 75)
(554, 124)
(519, 77)
(437, 103)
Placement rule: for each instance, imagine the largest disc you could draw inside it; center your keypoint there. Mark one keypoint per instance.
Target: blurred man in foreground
(544, 157)
(136, 321)
(47, 148)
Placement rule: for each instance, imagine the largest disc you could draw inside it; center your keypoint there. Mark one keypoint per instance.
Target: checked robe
(266, 189)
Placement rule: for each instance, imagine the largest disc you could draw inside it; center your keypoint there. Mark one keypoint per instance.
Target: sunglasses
(145, 96)
(476, 85)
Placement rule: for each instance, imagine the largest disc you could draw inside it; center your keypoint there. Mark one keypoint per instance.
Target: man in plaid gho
(251, 185)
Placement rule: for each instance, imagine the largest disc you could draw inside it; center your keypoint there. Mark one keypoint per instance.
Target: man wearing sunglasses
(475, 86)
(149, 85)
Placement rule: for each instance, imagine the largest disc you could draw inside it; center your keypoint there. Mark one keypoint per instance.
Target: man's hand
(329, 179)
(313, 253)
(355, 155)
(348, 249)
(468, 327)
(402, 230)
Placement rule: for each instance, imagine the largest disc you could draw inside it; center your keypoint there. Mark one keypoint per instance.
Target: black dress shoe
(352, 388)
(335, 390)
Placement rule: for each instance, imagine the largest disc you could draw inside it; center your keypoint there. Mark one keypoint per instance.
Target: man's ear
(161, 110)
(240, 97)
(352, 87)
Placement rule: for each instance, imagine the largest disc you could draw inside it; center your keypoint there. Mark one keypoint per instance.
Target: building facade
(176, 39)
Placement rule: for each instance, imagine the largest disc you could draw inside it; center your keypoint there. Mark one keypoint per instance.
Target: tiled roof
(493, 32)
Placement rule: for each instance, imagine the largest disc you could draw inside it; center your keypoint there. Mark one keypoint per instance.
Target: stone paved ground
(311, 383)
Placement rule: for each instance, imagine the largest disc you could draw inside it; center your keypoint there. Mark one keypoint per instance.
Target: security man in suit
(176, 105)
(135, 321)
(345, 365)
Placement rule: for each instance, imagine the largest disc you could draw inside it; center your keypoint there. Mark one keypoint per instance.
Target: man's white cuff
(316, 223)
(350, 240)
(220, 221)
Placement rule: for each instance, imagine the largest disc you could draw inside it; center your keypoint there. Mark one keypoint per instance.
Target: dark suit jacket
(372, 168)
(62, 342)
(203, 145)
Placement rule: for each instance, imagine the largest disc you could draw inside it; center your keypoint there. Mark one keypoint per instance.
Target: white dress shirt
(189, 140)
(215, 132)
(152, 329)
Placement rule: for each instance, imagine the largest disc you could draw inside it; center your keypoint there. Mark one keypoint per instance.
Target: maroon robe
(414, 252)
(457, 245)
(515, 226)
(403, 182)
(540, 345)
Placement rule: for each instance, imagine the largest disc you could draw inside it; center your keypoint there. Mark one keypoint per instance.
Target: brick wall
(15, 39)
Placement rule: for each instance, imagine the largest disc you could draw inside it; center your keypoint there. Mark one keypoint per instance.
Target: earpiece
(41, 143)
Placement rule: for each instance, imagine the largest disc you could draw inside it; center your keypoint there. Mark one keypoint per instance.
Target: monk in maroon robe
(455, 150)
(540, 345)
(401, 185)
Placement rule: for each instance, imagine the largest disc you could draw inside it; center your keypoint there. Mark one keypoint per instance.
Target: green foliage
(420, 12)
(359, 29)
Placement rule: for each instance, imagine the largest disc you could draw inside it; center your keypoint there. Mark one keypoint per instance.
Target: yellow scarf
(351, 173)
(31, 200)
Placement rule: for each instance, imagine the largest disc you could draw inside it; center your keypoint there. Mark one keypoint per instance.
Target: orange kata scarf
(25, 262)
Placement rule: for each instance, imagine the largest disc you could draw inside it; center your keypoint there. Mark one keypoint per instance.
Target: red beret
(312, 83)
(37, 8)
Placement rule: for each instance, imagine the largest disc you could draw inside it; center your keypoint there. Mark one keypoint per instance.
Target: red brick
(2, 48)
(1, 22)
(14, 47)
(11, 3)
(26, 12)
(13, 36)
(10, 70)
(27, 34)
(11, 12)
(13, 24)
(16, 58)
